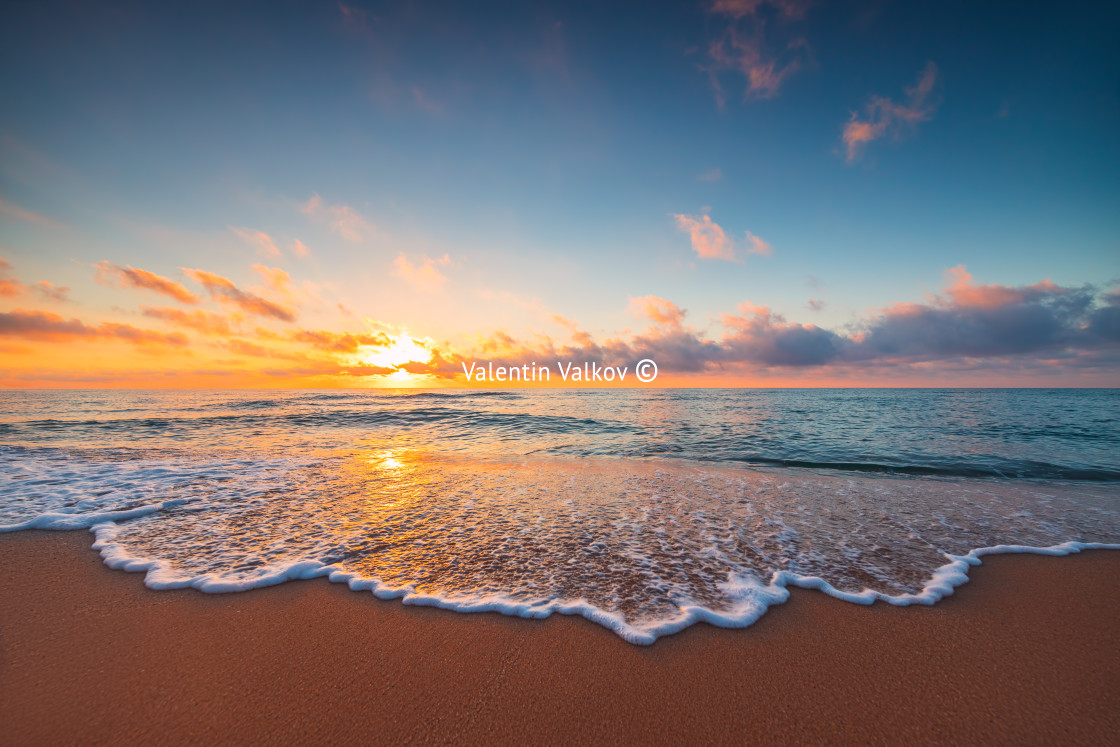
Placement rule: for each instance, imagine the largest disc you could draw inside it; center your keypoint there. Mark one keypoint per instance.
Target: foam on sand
(643, 548)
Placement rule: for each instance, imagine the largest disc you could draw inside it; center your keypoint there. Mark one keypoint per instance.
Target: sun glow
(401, 350)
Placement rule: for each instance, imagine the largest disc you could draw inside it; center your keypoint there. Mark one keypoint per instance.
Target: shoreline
(1027, 651)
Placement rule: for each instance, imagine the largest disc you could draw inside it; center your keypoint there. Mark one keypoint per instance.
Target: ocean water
(645, 510)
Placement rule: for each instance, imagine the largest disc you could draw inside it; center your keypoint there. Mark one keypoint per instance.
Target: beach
(1027, 652)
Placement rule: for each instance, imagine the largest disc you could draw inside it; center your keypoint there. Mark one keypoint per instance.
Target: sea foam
(643, 548)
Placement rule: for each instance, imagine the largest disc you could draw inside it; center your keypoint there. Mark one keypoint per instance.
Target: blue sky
(535, 156)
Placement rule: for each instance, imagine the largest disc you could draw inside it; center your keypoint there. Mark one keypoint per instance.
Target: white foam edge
(750, 597)
(68, 520)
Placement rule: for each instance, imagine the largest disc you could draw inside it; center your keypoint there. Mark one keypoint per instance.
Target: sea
(644, 510)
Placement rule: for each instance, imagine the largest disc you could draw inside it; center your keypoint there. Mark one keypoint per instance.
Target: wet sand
(1027, 652)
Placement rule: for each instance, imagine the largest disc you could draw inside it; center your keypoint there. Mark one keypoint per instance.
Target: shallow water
(645, 510)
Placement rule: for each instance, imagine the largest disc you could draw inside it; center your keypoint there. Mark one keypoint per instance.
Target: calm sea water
(645, 510)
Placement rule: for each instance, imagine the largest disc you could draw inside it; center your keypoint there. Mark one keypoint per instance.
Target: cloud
(760, 337)
(224, 291)
(965, 321)
(423, 276)
(276, 279)
(966, 327)
(658, 310)
(15, 211)
(300, 249)
(709, 240)
(10, 287)
(137, 278)
(47, 327)
(882, 117)
(205, 322)
(260, 240)
(740, 8)
(344, 342)
(747, 45)
(342, 219)
(52, 292)
(755, 245)
(815, 304)
(711, 175)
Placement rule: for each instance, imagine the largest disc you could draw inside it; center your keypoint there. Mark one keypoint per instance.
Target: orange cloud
(422, 276)
(206, 322)
(344, 342)
(276, 279)
(657, 309)
(223, 290)
(10, 287)
(709, 240)
(137, 278)
(44, 326)
(300, 249)
(884, 117)
(258, 239)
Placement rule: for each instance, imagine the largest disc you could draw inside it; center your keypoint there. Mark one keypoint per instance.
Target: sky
(747, 192)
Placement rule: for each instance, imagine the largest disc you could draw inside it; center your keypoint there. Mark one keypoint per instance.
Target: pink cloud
(883, 117)
(710, 241)
(342, 219)
(740, 8)
(259, 240)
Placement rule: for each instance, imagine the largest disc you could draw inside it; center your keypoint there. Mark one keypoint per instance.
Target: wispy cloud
(710, 241)
(882, 117)
(342, 219)
(422, 275)
(756, 43)
(132, 277)
(259, 240)
(711, 175)
(206, 322)
(741, 8)
(225, 291)
(300, 249)
(10, 286)
(52, 292)
(44, 326)
(15, 211)
(657, 310)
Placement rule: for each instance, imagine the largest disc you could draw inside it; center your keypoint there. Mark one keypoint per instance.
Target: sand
(1028, 652)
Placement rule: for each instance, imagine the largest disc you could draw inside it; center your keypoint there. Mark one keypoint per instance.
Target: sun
(402, 349)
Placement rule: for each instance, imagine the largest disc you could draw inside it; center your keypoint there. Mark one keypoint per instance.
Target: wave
(642, 547)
